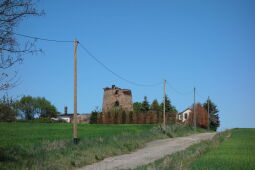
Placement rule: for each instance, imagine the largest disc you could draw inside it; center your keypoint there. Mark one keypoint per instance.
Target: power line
(43, 39)
(111, 71)
(201, 96)
(92, 56)
(178, 91)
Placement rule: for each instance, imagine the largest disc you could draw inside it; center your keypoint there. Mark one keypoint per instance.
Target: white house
(81, 118)
(183, 116)
(66, 118)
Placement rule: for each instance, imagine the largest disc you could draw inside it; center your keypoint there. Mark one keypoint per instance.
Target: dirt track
(151, 152)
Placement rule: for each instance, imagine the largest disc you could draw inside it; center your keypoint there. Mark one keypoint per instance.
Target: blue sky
(206, 44)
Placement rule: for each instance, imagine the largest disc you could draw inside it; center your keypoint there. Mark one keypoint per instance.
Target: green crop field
(32, 133)
(50, 146)
(238, 152)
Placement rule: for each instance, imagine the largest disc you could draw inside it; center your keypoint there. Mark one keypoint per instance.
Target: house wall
(84, 118)
(67, 119)
(179, 116)
(186, 112)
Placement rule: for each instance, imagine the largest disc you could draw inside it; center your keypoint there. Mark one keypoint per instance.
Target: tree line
(146, 113)
(27, 108)
(145, 106)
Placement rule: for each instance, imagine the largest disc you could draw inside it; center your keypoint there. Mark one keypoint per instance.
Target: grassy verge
(238, 152)
(49, 145)
(182, 159)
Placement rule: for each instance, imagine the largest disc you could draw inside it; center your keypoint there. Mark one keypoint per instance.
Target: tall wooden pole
(194, 110)
(208, 111)
(164, 109)
(75, 135)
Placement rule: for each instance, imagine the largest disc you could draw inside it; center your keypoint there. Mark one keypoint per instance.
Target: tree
(36, 107)
(93, 117)
(169, 107)
(201, 116)
(213, 114)
(123, 117)
(137, 106)
(44, 108)
(12, 12)
(27, 107)
(155, 106)
(131, 117)
(8, 111)
(145, 105)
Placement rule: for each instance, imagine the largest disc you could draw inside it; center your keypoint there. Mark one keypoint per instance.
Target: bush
(93, 117)
(124, 117)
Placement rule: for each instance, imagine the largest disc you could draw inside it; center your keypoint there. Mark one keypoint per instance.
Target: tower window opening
(117, 103)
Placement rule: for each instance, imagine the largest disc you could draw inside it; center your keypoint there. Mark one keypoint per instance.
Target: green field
(49, 145)
(238, 152)
(31, 133)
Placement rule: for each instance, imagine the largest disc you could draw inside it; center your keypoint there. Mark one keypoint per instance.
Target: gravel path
(151, 152)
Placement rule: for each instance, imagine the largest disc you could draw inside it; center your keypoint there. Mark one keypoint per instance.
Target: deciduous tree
(36, 107)
(8, 111)
(201, 116)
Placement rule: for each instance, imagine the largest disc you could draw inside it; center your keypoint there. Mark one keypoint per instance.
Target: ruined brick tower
(117, 97)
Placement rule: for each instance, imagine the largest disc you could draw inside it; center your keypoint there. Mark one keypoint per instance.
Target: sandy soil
(151, 152)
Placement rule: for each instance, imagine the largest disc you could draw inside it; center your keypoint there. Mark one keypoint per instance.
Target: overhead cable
(178, 91)
(114, 73)
(201, 96)
(43, 39)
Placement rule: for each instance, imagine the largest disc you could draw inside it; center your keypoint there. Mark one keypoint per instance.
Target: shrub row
(122, 117)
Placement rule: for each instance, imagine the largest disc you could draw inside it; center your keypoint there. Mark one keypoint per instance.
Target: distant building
(184, 116)
(64, 117)
(115, 96)
(67, 117)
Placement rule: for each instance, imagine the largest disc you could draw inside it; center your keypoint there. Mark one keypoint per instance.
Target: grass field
(238, 152)
(31, 133)
(49, 145)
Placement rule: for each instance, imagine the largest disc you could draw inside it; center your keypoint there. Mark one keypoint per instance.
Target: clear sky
(206, 44)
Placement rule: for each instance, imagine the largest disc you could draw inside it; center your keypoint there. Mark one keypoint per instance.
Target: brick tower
(117, 97)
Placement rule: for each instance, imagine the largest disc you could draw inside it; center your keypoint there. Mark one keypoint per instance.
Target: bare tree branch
(12, 12)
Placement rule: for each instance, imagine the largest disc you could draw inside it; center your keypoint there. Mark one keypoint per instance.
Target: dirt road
(151, 152)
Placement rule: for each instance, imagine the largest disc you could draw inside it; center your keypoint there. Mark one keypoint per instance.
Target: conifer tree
(145, 105)
(155, 105)
(169, 107)
(213, 114)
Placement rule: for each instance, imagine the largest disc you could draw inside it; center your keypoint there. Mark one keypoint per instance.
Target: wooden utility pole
(75, 135)
(208, 111)
(164, 109)
(194, 110)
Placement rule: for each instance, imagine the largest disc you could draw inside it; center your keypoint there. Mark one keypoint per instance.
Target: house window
(186, 116)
